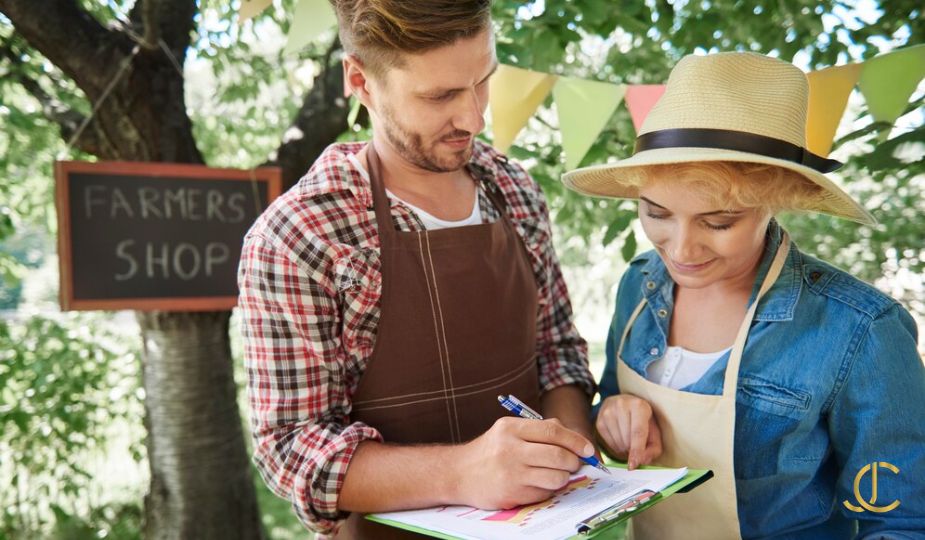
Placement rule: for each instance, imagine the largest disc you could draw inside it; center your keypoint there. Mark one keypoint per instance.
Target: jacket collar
(777, 304)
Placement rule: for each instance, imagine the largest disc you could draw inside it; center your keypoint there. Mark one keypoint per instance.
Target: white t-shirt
(430, 221)
(680, 367)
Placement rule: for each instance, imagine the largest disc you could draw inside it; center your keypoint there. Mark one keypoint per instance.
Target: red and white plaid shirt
(310, 285)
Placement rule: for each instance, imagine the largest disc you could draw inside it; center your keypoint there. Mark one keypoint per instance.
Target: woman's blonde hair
(730, 184)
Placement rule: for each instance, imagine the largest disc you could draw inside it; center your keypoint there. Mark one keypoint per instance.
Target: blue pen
(522, 410)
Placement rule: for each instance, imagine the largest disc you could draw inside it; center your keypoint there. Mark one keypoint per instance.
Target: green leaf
(628, 251)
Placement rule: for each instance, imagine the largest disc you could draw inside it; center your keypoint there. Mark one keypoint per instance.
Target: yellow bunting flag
(829, 89)
(515, 94)
(584, 108)
(887, 81)
(251, 8)
(311, 18)
(640, 98)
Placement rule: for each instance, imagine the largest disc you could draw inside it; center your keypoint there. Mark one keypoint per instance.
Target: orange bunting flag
(515, 94)
(251, 8)
(828, 96)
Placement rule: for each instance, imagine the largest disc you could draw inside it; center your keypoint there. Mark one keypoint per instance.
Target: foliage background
(69, 389)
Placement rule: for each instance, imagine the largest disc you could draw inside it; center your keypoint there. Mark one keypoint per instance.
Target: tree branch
(150, 18)
(68, 120)
(70, 38)
(319, 121)
(175, 24)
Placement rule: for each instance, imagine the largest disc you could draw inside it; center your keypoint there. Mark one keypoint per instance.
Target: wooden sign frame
(272, 176)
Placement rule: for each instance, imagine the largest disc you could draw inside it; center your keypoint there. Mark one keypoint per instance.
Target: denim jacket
(830, 381)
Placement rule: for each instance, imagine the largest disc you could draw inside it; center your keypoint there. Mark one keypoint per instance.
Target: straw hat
(743, 107)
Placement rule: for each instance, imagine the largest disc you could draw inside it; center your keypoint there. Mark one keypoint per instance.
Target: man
(390, 296)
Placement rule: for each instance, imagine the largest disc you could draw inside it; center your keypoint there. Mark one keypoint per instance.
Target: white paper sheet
(588, 492)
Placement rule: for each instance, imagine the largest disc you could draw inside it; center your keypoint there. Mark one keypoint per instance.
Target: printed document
(588, 492)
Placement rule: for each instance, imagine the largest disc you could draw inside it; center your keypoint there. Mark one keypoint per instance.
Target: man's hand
(627, 426)
(518, 462)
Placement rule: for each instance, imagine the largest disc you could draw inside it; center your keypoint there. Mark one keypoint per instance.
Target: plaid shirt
(310, 283)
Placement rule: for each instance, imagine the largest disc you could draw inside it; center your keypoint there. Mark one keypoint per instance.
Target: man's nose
(470, 116)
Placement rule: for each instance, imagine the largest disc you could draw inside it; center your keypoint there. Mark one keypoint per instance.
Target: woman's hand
(626, 425)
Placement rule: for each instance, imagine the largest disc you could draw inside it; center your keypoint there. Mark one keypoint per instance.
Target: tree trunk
(201, 486)
(201, 482)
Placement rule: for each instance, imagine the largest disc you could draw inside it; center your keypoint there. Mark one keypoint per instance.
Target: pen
(522, 410)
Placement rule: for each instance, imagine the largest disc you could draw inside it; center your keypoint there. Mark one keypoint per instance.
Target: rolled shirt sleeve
(295, 383)
(562, 354)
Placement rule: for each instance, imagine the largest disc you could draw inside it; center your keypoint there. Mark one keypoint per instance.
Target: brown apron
(457, 327)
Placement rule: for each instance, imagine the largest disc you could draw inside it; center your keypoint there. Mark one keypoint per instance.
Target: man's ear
(355, 79)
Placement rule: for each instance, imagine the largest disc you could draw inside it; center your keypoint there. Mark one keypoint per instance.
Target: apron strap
(629, 324)
(380, 200)
(738, 347)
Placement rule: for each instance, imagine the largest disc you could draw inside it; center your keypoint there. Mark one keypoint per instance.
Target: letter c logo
(865, 505)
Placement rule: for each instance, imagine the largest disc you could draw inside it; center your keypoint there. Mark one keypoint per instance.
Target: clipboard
(613, 528)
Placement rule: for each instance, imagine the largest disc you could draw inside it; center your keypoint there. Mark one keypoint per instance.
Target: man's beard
(410, 146)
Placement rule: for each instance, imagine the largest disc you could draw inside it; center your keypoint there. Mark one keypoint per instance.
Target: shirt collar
(781, 299)
(777, 304)
(333, 172)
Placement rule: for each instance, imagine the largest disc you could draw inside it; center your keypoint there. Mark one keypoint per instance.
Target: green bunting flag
(887, 81)
(584, 108)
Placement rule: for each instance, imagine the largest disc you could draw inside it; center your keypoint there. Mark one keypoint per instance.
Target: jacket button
(650, 285)
(814, 276)
(663, 313)
(653, 351)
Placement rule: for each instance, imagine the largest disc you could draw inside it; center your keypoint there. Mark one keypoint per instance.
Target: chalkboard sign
(155, 236)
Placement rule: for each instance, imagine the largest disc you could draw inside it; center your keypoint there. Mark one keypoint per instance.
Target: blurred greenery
(278, 517)
(24, 250)
(64, 381)
(642, 41)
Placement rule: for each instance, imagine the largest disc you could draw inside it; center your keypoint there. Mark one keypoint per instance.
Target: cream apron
(698, 431)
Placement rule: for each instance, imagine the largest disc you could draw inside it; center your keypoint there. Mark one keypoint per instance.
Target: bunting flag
(584, 108)
(251, 8)
(515, 94)
(311, 17)
(640, 98)
(887, 81)
(828, 96)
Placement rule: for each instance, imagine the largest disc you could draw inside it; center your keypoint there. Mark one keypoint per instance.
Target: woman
(796, 383)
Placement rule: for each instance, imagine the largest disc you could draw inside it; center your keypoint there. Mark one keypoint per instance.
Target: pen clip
(605, 516)
(535, 415)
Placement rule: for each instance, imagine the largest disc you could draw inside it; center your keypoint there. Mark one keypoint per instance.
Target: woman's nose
(686, 246)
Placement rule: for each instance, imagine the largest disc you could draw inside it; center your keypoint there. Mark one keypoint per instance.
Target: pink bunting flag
(640, 98)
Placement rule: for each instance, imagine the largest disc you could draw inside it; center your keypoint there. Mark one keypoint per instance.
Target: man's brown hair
(378, 32)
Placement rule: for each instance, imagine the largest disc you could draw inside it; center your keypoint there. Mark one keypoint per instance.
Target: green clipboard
(616, 529)
(612, 530)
